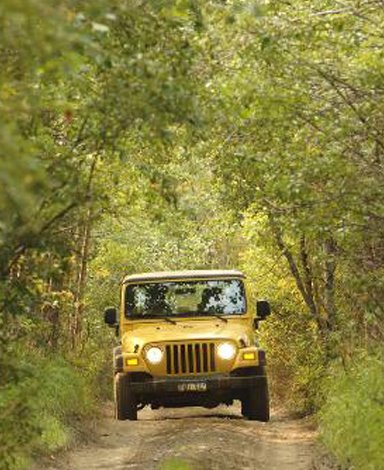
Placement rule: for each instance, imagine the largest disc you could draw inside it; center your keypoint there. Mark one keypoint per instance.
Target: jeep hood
(137, 335)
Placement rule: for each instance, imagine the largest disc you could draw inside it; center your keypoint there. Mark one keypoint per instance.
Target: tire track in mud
(205, 439)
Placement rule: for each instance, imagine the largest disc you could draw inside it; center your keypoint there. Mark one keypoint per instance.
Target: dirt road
(195, 439)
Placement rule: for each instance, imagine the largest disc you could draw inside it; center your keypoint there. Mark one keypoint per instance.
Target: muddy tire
(125, 401)
(255, 404)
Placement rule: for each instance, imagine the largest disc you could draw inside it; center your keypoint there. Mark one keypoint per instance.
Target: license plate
(192, 387)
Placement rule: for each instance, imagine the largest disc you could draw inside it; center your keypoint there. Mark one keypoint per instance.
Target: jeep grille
(190, 358)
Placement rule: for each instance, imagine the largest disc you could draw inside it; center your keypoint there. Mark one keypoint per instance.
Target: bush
(39, 407)
(295, 359)
(352, 418)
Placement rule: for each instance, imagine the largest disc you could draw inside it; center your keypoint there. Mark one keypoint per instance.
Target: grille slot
(190, 358)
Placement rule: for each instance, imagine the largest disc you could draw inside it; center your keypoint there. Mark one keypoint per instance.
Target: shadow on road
(194, 417)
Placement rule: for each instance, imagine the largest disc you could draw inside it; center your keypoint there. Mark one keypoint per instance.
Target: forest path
(196, 439)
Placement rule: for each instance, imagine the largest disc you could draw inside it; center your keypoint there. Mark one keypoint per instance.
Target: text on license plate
(192, 387)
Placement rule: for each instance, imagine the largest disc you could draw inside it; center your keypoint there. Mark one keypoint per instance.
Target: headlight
(226, 351)
(154, 355)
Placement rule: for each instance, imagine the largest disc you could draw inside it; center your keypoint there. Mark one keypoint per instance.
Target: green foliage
(352, 418)
(299, 149)
(85, 90)
(139, 136)
(296, 359)
(40, 405)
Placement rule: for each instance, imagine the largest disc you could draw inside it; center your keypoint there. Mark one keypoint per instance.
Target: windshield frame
(183, 315)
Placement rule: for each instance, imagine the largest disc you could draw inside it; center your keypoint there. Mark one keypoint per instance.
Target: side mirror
(263, 309)
(110, 316)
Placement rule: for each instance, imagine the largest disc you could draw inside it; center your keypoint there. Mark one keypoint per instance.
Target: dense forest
(168, 134)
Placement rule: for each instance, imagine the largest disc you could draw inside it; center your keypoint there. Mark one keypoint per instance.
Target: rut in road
(203, 439)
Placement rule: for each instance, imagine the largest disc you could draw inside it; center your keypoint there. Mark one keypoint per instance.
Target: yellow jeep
(188, 339)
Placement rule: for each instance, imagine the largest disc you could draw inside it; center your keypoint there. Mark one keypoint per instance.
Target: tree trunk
(85, 226)
(307, 295)
(329, 282)
(81, 279)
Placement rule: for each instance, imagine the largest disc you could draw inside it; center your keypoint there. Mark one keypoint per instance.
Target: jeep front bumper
(159, 386)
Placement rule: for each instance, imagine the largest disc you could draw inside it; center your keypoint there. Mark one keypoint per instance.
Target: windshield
(191, 298)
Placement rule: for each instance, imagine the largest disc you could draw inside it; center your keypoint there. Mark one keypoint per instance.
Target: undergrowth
(43, 402)
(352, 417)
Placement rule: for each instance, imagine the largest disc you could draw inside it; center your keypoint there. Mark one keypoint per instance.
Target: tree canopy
(172, 134)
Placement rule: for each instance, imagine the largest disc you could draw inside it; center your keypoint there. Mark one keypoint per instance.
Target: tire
(244, 407)
(255, 404)
(125, 401)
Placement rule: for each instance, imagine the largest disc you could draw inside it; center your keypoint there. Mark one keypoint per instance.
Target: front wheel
(125, 400)
(255, 403)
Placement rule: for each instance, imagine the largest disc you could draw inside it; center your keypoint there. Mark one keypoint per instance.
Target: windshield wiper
(155, 317)
(216, 315)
